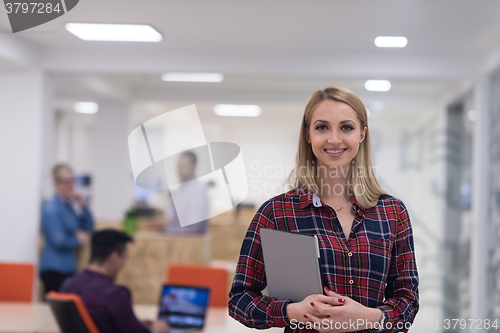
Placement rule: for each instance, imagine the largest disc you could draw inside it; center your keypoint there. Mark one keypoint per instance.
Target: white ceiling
(270, 51)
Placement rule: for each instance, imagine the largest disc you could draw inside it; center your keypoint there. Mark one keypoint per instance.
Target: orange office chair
(202, 276)
(16, 282)
(71, 314)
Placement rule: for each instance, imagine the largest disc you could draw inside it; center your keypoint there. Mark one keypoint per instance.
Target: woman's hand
(351, 316)
(300, 311)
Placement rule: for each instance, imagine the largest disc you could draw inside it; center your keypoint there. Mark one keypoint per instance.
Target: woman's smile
(335, 152)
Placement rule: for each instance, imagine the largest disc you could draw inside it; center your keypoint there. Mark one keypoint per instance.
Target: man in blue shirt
(66, 224)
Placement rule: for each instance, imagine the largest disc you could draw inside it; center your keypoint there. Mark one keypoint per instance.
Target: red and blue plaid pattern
(375, 266)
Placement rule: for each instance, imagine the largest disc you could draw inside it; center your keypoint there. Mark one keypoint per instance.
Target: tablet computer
(291, 263)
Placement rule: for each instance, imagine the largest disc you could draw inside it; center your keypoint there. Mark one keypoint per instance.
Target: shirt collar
(306, 198)
(88, 271)
(60, 200)
(357, 208)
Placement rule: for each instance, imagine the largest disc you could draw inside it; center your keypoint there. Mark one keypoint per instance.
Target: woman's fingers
(317, 323)
(332, 300)
(328, 292)
(312, 318)
(325, 309)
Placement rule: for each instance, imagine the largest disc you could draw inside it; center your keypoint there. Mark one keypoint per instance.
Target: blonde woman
(367, 260)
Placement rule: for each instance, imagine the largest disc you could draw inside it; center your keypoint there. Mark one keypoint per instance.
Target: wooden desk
(38, 318)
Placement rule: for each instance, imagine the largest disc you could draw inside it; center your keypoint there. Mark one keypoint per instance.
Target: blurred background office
(434, 115)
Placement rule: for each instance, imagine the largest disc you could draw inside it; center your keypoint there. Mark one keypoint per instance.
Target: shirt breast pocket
(376, 256)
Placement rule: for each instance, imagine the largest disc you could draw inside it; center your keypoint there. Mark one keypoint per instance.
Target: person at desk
(367, 262)
(66, 224)
(108, 304)
(191, 199)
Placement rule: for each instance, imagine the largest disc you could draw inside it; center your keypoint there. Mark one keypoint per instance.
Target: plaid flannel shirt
(375, 266)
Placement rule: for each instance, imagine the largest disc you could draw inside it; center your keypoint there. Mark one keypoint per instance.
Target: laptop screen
(184, 306)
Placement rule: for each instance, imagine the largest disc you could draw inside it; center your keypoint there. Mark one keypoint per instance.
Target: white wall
(112, 175)
(74, 133)
(83, 159)
(49, 137)
(24, 102)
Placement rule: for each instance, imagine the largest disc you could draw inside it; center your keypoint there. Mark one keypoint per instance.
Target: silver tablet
(291, 262)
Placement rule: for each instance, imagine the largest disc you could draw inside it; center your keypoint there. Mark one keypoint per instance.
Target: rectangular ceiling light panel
(114, 32)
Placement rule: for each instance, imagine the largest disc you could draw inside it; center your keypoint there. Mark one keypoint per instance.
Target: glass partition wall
(460, 124)
(494, 195)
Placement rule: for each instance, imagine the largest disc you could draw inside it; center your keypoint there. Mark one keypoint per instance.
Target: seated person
(110, 305)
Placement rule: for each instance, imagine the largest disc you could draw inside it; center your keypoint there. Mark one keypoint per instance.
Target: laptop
(183, 307)
(291, 264)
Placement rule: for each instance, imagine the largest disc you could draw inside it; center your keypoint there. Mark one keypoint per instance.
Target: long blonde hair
(363, 182)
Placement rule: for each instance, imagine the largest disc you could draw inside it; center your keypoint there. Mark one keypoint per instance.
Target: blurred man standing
(191, 200)
(66, 224)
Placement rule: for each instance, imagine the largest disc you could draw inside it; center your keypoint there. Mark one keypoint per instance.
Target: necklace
(338, 210)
